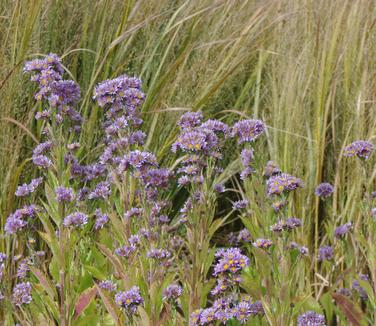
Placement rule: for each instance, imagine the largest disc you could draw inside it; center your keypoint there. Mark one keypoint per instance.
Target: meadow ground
(305, 68)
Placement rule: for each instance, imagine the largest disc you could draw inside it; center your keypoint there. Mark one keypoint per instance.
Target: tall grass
(306, 68)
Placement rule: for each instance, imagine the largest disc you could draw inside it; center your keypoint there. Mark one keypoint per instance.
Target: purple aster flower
(280, 183)
(230, 261)
(34, 184)
(164, 219)
(271, 169)
(134, 211)
(176, 242)
(108, 285)
(195, 318)
(360, 148)
(373, 194)
(247, 156)
(172, 292)
(373, 212)
(244, 236)
(325, 253)
(123, 92)
(129, 300)
(262, 243)
(42, 161)
(192, 141)
(23, 269)
(21, 294)
(303, 251)
(240, 204)
(102, 190)
(219, 188)
(42, 147)
(3, 257)
(324, 190)
(357, 287)
(64, 194)
(341, 231)
(190, 119)
(248, 130)
(137, 137)
(158, 254)
(125, 251)
(246, 173)
(292, 223)
(242, 311)
(14, 223)
(100, 219)
(257, 308)
(157, 178)
(27, 189)
(278, 205)
(22, 190)
(75, 219)
(82, 194)
(311, 318)
(207, 316)
(277, 227)
(139, 160)
(222, 285)
(215, 126)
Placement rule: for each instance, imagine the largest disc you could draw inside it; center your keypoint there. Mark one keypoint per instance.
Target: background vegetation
(307, 68)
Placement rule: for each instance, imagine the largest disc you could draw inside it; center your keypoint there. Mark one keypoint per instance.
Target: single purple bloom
(240, 204)
(342, 230)
(190, 119)
(64, 194)
(172, 292)
(324, 190)
(108, 285)
(100, 219)
(75, 219)
(42, 161)
(248, 130)
(22, 294)
(219, 188)
(325, 253)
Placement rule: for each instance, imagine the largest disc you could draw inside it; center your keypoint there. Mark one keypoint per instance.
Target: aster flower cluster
(230, 264)
(75, 219)
(172, 293)
(129, 300)
(283, 183)
(342, 230)
(359, 148)
(289, 224)
(225, 309)
(200, 141)
(17, 220)
(247, 131)
(311, 318)
(108, 285)
(60, 94)
(325, 253)
(27, 189)
(22, 294)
